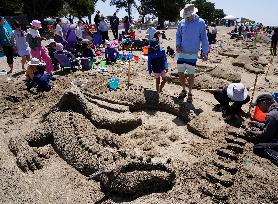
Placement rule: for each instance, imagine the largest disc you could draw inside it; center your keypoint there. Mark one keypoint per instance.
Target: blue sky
(265, 11)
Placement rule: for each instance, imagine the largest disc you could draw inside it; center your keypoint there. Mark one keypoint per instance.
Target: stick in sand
(253, 93)
(269, 66)
(129, 68)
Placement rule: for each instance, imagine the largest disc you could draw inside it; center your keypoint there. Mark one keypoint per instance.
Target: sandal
(182, 95)
(190, 98)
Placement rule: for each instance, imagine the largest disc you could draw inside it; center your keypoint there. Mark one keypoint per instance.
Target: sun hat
(36, 23)
(85, 40)
(158, 32)
(59, 47)
(51, 41)
(237, 92)
(34, 61)
(264, 97)
(188, 11)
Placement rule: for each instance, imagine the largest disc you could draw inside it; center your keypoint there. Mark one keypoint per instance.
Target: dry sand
(212, 160)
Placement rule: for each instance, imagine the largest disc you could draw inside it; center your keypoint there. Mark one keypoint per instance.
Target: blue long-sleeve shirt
(190, 34)
(157, 61)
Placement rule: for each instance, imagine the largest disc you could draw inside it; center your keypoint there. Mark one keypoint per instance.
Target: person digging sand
(157, 64)
(266, 138)
(191, 32)
(235, 93)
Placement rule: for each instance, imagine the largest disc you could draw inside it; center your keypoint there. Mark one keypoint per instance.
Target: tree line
(162, 9)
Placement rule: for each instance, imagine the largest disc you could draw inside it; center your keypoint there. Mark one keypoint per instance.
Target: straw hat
(188, 11)
(36, 23)
(237, 92)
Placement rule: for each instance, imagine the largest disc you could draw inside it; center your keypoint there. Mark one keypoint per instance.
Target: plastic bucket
(130, 56)
(102, 64)
(136, 58)
(85, 64)
(259, 115)
(145, 50)
(114, 83)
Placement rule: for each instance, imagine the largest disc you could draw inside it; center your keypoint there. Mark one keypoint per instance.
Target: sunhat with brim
(85, 40)
(59, 47)
(51, 41)
(188, 11)
(237, 92)
(36, 23)
(35, 61)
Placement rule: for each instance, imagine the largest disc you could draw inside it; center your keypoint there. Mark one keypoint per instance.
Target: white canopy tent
(230, 18)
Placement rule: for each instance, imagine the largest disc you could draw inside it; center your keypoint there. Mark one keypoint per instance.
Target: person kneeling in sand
(32, 69)
(41, 79)
(266, 138)
(236, 93)
(157, 64)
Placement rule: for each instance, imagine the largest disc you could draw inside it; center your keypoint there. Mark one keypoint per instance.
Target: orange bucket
(259, 115)
(145, 50)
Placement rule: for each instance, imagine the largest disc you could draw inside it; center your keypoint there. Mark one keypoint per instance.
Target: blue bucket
(2, 54)
(114, 83)
(275, 96)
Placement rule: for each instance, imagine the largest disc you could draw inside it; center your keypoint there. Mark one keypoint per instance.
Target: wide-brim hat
(188, 11)
(34, 61)
(36, 23)
(237, 92)
(51, 41)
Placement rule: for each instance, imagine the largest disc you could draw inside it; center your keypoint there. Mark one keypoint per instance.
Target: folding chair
(64, 61)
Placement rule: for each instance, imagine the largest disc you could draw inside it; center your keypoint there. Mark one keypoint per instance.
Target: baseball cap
(264, 97)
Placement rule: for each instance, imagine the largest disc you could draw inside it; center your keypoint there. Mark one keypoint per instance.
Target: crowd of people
(192, 35)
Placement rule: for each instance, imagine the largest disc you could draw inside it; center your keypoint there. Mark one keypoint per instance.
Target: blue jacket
(190, 34)
(42, 80)
(157, 61)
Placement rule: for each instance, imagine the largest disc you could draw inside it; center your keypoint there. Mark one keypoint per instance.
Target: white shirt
(59, 30)
(151, 31)
(79, 32)
(103, 26)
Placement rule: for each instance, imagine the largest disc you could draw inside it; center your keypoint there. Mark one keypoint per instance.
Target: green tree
(126, 4)
(218, 14)
(164, 9)
(8, 7)
(206, 9)
(41, 9)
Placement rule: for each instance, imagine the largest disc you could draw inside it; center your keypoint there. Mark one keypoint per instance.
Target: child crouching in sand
(157, 64)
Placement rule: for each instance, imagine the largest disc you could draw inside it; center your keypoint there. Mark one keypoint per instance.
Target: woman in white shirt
(59, 37)
(103, 28)
(79, 30)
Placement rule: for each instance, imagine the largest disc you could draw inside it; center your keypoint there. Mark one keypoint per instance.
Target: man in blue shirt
(191, 32)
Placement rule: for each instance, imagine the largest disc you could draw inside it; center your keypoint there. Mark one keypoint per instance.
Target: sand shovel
(253, 93)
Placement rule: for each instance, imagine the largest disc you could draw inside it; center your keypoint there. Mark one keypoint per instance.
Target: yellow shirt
(30, 72)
